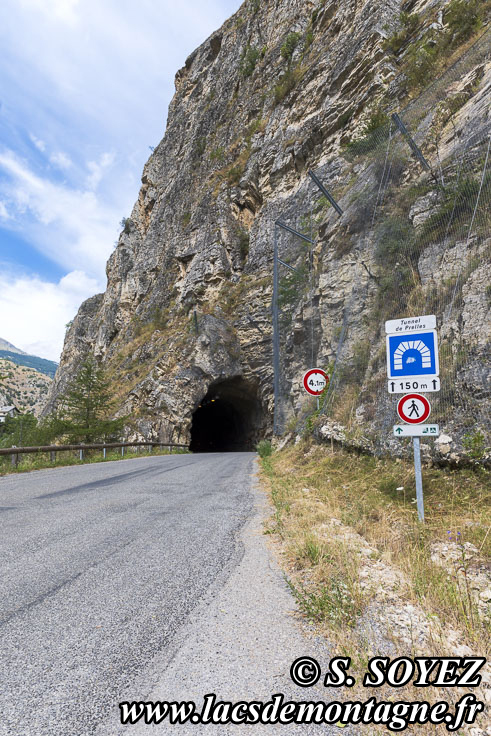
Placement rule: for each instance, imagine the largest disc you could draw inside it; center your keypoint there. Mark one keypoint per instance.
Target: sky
(84, 91)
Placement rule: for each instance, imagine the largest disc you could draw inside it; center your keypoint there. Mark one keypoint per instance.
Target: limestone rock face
(280, 89)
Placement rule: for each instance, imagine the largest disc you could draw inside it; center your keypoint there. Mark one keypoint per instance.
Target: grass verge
(337, 516)
(311, 485)
(38, 462)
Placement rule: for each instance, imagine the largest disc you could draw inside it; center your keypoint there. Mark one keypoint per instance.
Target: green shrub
(248, 60)
(126, 224)
(186, 219)
(394, 286)
(378, 118)
(255, 4)
(159, 317)
(388, 486)
(463, 18)
(370, 134)
(235, 173)
(200, 146)
(289, 46)
(394, 235)
(244, 242)
(457, 204)
(475, 445)
(335, 602)
(217, 155)
(359, 362)
(287, 83)
(422, 62)
(309, 37)
(264, 448)
(410, 23)
(291, 285)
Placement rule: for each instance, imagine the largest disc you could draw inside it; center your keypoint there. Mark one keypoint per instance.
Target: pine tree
(86, 404)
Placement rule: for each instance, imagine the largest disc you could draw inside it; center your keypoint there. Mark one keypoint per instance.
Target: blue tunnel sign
(412, 354)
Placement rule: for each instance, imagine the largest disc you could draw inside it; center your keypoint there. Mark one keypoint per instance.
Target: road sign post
(413, 365)
(419, 479)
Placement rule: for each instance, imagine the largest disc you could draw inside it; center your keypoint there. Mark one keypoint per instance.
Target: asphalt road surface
(133, 580)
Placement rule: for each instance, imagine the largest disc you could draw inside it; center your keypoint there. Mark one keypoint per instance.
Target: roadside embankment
(368, 574)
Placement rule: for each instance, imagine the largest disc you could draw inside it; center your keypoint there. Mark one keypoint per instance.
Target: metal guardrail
(14, 452)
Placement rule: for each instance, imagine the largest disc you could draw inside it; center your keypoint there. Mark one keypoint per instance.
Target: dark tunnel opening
(228, 418)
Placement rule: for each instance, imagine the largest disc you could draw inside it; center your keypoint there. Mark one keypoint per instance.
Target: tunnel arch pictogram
(417, 346)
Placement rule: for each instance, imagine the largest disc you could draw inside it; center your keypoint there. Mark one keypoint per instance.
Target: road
(123, 577)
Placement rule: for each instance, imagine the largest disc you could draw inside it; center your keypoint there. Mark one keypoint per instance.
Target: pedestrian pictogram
(412, 354)
(413, 408)
(315, 381)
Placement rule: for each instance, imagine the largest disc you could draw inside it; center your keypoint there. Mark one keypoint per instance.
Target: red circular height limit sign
(413, 408)
(315, 381)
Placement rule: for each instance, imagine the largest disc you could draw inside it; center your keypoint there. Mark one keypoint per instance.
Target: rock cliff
(184, 327)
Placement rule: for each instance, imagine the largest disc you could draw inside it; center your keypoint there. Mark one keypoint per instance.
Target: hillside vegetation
(23, 386)
(41, 365)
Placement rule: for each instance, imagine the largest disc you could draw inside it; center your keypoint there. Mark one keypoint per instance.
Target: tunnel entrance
(228, 418)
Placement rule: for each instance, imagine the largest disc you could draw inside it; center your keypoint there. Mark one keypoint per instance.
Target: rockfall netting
(414, 238)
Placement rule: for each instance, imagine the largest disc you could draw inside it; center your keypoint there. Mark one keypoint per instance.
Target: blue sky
(84, 91)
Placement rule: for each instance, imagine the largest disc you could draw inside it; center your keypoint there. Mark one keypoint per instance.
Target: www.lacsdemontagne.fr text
(396, 716)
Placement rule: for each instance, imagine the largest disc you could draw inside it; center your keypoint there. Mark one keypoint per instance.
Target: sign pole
(419, 479)
(276, 336)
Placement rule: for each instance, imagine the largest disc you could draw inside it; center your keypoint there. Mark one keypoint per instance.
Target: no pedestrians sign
(414, 408)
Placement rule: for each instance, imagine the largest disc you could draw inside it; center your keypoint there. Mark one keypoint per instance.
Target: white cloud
(59, 10)
(39, 310)
(98, 169)
(40, 145)
(61, 160)
(70, 226)
(93, 79)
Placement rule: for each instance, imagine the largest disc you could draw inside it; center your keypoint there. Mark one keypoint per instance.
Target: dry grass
(311, 485)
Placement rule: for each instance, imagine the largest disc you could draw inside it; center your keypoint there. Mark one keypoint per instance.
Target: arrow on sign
(399, 430)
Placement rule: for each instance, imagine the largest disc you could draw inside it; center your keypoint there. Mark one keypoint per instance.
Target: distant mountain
(5, 345)
(48, 367)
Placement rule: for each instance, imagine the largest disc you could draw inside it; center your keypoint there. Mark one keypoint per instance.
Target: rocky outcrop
(280, 89)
